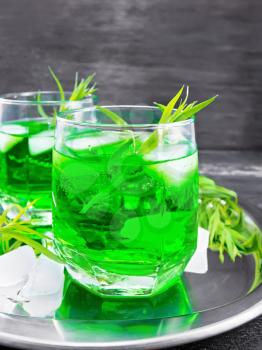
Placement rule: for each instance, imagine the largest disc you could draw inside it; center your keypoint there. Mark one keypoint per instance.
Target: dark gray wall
(142, 51)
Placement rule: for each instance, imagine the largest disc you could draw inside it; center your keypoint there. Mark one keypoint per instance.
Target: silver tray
(199, 307)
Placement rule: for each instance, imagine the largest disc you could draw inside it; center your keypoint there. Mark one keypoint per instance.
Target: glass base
(123, 286)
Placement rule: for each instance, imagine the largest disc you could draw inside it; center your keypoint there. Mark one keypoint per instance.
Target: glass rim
(62, 116)
(7, 98)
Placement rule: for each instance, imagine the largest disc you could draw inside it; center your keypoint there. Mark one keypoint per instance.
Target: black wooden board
(142, 51)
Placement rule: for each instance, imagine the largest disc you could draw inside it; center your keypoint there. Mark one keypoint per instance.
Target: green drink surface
(26, 160)
(118, 213)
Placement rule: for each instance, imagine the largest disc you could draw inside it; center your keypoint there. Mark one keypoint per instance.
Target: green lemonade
(122, 219)
(26, 161)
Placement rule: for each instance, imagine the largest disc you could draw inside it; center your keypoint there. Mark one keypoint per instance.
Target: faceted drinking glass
(26, 142)
(125, 199)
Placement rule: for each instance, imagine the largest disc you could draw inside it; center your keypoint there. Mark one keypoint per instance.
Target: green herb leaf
(40, 108)
(81, 90)
(231, 230)
(76, 80)
(181, 109)
(18, 231)
(183, 112)
(160, 106)
(189, 113)
(170, 107)
(59, 85)
(112, 115)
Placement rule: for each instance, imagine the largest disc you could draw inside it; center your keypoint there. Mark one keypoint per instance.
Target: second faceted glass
(125, 199)
(26, 142)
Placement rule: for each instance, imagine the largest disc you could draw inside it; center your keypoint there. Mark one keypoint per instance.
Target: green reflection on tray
(83, 315)
(79, 304)
(102, 331)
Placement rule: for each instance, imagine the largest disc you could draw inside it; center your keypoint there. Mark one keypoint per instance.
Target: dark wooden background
(142, 51)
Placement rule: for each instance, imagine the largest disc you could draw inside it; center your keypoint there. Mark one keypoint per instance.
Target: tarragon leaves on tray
(231, 229)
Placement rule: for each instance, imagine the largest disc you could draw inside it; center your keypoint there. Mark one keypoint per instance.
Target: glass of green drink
(26, 142)
(124, 212)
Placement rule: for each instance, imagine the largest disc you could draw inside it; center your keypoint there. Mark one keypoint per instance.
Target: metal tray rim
(185, 337)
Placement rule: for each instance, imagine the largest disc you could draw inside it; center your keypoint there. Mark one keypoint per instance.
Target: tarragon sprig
(18, 231)
(170, 114)
(230, 228)
(82, 89)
